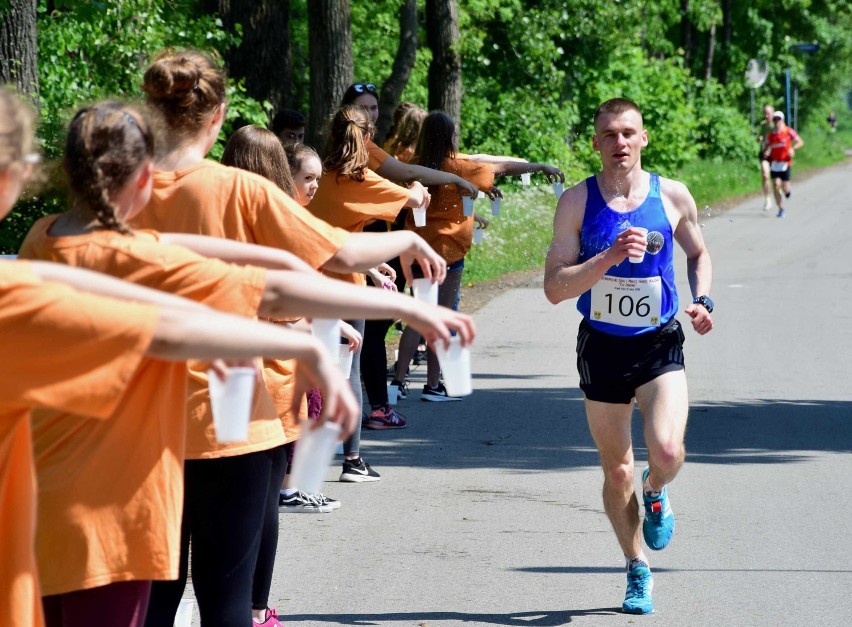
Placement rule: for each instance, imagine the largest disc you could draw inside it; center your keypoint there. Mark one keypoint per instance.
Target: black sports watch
(704, 300)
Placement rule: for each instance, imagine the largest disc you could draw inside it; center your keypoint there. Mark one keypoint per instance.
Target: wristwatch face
(705, 300)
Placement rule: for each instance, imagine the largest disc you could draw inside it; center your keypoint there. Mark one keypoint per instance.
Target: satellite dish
(756, 73)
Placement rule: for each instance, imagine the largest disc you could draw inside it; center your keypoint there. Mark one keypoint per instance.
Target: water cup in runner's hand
(419, 216)
(230, 402)
(313, 456)
(455, 366)
(645, 233)
(425, 290)
(327, 331)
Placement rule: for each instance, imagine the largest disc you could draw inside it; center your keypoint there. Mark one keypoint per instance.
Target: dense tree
(18, 46)
(406, 54)
(330, 51)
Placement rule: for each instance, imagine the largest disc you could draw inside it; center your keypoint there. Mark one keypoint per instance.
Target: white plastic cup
(231, 401)
(478, 234)
(645, 233)
(183, 617)
(419, 216)
(327, 331)
(467, 205)
(558, 188)
(495, 206)
(480, 195)
(455, 366)
(425, 290)
(344, 360)
(393, 394)
(525, 178)
(313, 456)
(185, 610)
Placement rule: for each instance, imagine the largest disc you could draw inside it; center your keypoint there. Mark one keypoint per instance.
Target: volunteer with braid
(108, 161)
(78, 352)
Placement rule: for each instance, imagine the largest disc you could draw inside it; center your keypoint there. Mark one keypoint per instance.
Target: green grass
(518, 238)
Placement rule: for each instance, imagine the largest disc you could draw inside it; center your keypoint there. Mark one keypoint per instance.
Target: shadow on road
(540, 619)
(534, 429)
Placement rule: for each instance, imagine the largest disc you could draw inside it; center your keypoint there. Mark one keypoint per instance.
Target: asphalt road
(489, 510)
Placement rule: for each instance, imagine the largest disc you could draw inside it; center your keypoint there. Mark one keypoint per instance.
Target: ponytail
(347, 146)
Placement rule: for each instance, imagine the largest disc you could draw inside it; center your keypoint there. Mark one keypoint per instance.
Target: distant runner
(781, 144)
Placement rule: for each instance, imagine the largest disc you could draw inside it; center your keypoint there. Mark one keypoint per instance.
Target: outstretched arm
(237, 252)
(363, 251)
(396, 170)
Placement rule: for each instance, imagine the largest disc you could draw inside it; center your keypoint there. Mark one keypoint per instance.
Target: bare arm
(688, 235)
(290, 294)
(564, 277)
(495, 159)
(516, 168)
(104, 285)
(237, 252)
(363, 251)
(396, 170)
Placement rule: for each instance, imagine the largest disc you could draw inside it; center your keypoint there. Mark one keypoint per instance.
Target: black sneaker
(438, 394)
(301, 503)
(402, 389)
(358, 471)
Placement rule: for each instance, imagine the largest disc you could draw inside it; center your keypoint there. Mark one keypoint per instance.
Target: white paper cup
(558, 188)
(345, 360)
(525, 178)
(480, 195)
(639, 259)
(455, 366)
(393, 394)
(478, 234)
(419, 216)
(425, 290)
(314, 453)
(467, 205)
(327, 331)
(495, 206)
(231, 402)
(183, 617)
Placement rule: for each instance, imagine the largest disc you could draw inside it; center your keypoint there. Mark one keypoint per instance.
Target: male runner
(781, 144)
(629, 344)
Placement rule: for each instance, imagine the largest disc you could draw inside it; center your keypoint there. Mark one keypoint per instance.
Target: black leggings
(374, 360)
(269, 535)
(223, 512)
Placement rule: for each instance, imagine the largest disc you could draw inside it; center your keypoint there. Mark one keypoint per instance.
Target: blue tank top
(631, 298)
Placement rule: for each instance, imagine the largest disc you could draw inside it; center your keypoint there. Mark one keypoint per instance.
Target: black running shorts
(611, 367)
(784, 176)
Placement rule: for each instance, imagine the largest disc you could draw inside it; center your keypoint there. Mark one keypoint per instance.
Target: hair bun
(171, 78)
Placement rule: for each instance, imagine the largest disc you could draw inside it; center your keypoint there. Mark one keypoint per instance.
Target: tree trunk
(685, 32)
(708, 55)
(727, 33)
(263, 56)
(406, 54)
(19, 47)
(442, 35)
(330, 54)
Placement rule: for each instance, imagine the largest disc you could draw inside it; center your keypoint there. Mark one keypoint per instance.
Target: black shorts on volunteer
(611, 367)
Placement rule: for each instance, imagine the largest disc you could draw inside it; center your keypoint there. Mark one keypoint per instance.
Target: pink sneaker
(271, 620)
(384, 418)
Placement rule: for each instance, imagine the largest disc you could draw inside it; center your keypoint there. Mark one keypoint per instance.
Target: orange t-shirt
(208, 198)
(447, 229)
(111, 490)
(377, 156)
(69, 351)
(352, 204)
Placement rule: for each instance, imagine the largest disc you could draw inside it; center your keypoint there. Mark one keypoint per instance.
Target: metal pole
(787, 83)
(752, 109)
(796, 107)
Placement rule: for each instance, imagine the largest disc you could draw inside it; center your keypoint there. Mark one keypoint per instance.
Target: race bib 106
(628, 302)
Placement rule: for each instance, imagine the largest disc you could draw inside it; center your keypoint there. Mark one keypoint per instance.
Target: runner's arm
(564, 278)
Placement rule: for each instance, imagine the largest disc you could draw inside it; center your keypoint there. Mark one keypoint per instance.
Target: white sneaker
(767, 206)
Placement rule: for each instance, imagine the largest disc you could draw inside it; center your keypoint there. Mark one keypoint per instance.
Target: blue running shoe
(658, 526)
(638, 599)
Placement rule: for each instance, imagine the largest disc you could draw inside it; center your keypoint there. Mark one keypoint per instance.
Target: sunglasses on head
(362, 87)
